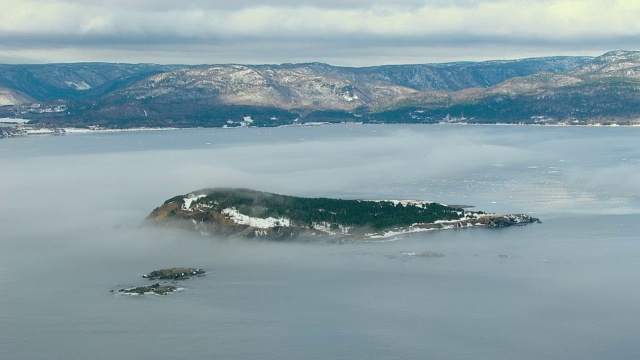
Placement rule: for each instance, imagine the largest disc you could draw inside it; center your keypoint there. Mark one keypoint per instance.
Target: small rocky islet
(173, 274)
(179, 273)
(149, 289)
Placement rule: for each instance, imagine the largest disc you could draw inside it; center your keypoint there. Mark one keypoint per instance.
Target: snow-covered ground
(80, 86)
(191, 199)
(260, 223)
(405, 203)
(87, 131)
(327, 228)
(13, 121)
(39, 132)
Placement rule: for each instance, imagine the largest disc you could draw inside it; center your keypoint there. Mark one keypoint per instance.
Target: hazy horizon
(345, 33)
(488, 60)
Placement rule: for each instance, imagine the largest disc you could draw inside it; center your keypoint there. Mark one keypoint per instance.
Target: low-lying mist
(72, 209)
(494, 168)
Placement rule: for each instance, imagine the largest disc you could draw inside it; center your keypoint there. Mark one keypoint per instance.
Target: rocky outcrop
(500, 221)
(156, 289)
(172, 274)
(178, 273)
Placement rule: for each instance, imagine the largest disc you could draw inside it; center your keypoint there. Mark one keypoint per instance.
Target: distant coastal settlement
(22, 128)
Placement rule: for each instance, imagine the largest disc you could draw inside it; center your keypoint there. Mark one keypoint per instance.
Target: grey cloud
(342, 33)
(243, 4)
(358, 51)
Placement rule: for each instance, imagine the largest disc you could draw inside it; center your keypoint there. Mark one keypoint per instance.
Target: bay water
(71, 209)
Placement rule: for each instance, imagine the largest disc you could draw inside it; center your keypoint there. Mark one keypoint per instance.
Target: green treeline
(306, 211)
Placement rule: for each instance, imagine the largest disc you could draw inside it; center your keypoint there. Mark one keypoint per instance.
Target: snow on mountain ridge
(612, 64)
(238, 84)
(80, 86)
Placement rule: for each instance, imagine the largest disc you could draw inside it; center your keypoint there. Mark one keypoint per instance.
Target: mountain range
(575, 90)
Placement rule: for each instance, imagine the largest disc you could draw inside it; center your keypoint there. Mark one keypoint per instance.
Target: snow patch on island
(189, 200)
(349, 97)
(417, 203)
(80, 86)
(331, 228)
(260, 223)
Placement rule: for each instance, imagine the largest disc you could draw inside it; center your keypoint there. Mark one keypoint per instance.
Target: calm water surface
(569, 288)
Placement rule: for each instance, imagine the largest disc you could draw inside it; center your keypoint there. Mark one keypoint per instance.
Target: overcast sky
(339, 32)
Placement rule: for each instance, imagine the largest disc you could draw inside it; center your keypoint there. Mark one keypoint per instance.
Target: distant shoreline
(22, 129)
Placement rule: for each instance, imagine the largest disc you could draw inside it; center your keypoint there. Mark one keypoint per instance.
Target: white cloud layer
(342, 32)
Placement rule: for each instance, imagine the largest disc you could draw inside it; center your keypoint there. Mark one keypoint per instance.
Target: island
(155, 289)
(179, 273)
(174, 275)
(246, 213)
